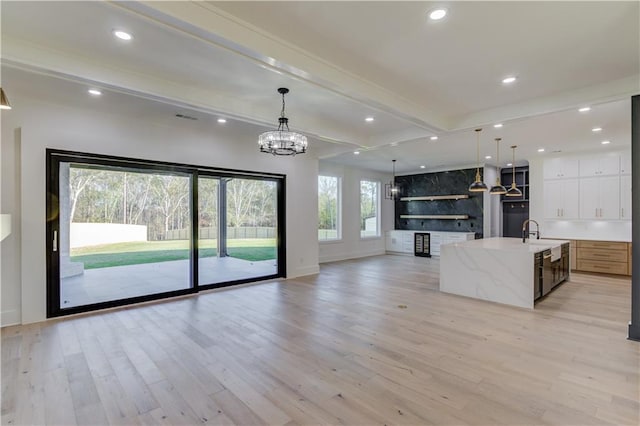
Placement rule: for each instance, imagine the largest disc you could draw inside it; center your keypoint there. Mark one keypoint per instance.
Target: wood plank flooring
(368, 341)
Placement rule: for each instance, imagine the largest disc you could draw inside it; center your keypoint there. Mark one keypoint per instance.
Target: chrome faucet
(525, 234)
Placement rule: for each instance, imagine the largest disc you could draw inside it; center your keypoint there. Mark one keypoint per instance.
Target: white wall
(54, 125)
(570, 229)
(351, 245)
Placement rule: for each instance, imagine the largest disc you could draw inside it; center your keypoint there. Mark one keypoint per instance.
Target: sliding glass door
(121, 230)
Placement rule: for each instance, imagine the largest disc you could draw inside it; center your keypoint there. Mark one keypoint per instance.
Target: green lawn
(135, 253)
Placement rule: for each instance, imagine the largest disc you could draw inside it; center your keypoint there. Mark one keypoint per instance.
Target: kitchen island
(503, 270)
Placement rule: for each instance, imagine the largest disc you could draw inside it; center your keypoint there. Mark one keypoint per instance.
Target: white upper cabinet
(600, 166)
(561, 199)
(625, 164)
(600, 198)
(557, 168)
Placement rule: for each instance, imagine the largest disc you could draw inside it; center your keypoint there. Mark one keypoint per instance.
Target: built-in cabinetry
(600, 197)
(561, 199)
(402, 241)
(557, 168)
(610, 257)
(588, 188)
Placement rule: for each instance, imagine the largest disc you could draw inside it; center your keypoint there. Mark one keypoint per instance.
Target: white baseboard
(347, 256)
(306, 270)
(9, 318)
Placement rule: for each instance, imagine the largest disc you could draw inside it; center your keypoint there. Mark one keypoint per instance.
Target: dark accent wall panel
(452, 182)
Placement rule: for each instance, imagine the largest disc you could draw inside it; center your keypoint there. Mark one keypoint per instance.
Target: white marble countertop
(617, 240)
(510, 244)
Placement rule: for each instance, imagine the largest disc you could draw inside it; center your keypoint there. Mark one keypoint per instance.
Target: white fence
(93, 234)
(232, 233)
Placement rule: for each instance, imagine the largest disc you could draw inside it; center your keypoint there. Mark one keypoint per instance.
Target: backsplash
(452, 182)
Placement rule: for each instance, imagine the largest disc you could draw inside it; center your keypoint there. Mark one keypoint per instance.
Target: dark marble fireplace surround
(452, 182)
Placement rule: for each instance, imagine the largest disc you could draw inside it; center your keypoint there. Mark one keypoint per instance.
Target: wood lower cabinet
(608, 257)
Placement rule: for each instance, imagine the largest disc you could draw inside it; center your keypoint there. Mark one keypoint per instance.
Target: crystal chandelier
(282, 141)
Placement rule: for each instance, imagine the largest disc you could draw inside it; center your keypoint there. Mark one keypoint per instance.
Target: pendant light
(4, 101)
(498, 189)
(513, 191)
(478, 185)
(391, 190)
(282, 141)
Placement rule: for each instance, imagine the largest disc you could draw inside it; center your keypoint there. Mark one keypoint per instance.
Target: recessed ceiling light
(540, 149)
(509, 80)
(94, 92)
(437, 14)
(122, 35)
(356, 152)
(487, 157)
(422, 167)
(605, 142)
(369, 119)
(434, 138)
(497, 126)
(509, 164)
(222, 120)
(596, 129)
(585, 109)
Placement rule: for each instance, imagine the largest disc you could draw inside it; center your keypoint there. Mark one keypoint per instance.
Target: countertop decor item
(513, 191)
(282, 141)
(478, 185)
(498, 188)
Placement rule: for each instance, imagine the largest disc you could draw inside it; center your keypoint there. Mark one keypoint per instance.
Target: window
(328, 208)
(369, 209)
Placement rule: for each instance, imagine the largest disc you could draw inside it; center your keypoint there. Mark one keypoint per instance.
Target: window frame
(338, 237)
(378, 205)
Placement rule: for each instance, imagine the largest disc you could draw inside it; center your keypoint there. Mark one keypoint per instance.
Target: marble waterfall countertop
(495, 269)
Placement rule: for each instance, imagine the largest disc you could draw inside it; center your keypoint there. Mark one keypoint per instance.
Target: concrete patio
(122, 282)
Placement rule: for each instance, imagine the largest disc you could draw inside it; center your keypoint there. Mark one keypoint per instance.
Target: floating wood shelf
(435, 197)
(434, 216)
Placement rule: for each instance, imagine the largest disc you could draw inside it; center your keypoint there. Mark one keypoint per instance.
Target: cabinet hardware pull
(622, 212)
(547, 256)
(55, 240)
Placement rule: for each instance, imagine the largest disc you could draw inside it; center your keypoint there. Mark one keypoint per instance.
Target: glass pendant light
(498, 189)
(513, 191)
(392, 191)
(478, 185)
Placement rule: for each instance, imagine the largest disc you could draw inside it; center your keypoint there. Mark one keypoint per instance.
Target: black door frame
(53, 159)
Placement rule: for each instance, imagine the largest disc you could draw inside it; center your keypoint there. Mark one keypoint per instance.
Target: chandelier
(391, 190)
(282, 141)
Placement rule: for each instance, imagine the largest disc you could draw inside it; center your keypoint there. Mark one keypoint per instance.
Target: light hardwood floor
(369, 341)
